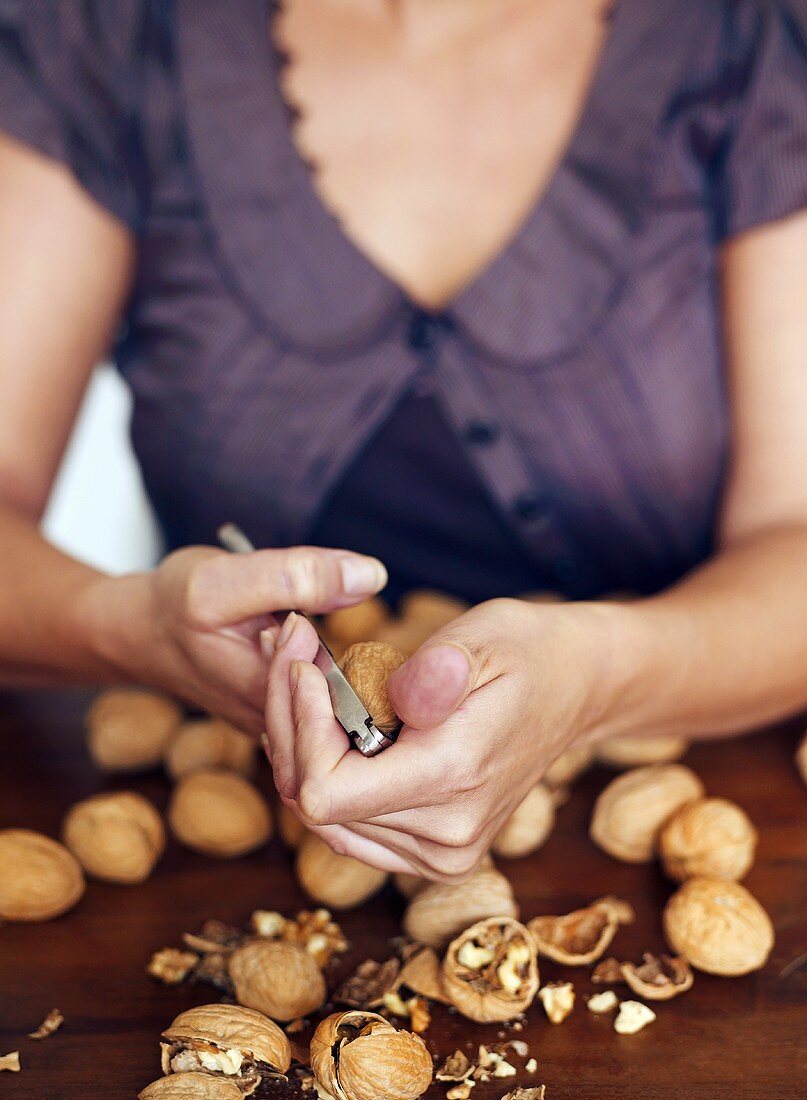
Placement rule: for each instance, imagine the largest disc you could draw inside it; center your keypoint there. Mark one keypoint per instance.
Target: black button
(529, 505)
(566, 570)
(481, 432)
(422, 332)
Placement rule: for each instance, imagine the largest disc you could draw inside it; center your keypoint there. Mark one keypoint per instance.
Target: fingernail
(267, 644)
(360, 574)
(287, 629)
(294, 676)
(265, 743)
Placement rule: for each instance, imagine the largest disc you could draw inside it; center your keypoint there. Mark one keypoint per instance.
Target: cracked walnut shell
(226, 1040)
(579, 938)
(632, 809)
(360, 1056)
(282, 980)
(39, 878)
(128, 729)
(711, 837)
(116, 837)
(367, 667)
(340, 882)
(209, 743)
(490, 971)
(529, 826)
(718, 926)
(442, 909)
(219, 814)
(191, 1086)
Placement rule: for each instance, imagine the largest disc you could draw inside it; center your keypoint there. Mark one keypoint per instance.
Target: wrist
(113, 620)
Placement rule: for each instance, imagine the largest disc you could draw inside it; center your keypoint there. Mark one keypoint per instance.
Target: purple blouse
(578, 379)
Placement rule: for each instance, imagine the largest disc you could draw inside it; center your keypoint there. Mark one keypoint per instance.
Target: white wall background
(98, 510)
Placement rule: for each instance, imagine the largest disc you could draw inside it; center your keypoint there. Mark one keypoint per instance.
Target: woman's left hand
(487, 703)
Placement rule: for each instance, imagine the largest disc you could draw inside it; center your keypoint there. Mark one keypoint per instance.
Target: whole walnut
(409, 885)
(209, 743)
(367, 667)
(129, 728)
(359, 623)
(632, 751)
(718, 926)
(490, 971)
(566, 767)
(711, 837)
(633, 807)
(338, 882)
(219, 814)
(280, 979)
(529, 826)
(801, 758)
(237, 1042)
(359, 1055)
(191, 1086)
(117, 837)
(432, 609)
(290, 827)
(39, 878)
(437, 913)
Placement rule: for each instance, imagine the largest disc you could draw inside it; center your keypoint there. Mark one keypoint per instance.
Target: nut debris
(532, 1066)
(316, 931)
(10, 1062)
(422, 974)
(582, 936)
(658, 977)
(369, 984)
(558, 1000)
(456, 1067)
(603, 1002)
(461, 1091)
(632, 1017)
(49, 1026)
(607, 972)
(533, 1092)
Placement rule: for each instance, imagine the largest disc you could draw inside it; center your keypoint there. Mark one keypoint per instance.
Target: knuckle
(460, 831)
(456, 863)
(301, 578)
(313, 807)
(196, 594)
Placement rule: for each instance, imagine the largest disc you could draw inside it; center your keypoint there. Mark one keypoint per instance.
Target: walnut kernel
(498, 977)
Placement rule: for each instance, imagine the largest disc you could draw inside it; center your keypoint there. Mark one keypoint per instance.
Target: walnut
(719, 926)
(442, 910)
(39, 878)
(279, 979)
(633, 751)
(565, 768)
(171, 966)
(360, 623)
(528, 826)
(801, 758)
(209, 743)
(633, 807)
(711, 837)
(658, 977)
(117, 837)
(456, 1067)
(533, 1092)
(340, 882)
(226, 1040)
(579, 938)
(367, 667)
(431, 610)
(49, 1026)
(192, 1086)
(128, 729)
(632, 1017)
(490, 971)
(360, 1056)
(603, 1002)
(558, 1000)
(219, 814)
(10, 1063)
(290, 827)
(409, 885)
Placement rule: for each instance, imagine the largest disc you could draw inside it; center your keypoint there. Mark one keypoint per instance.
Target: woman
(507, 294)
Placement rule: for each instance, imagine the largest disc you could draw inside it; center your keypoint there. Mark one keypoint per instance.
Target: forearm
(721, 652)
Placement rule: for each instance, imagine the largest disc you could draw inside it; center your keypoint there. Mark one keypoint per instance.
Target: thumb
(429, 687)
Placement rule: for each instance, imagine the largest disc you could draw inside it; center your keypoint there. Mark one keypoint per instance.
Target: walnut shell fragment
(360, 1056)
(658, 977)
(219, 814)
(340, 882)
(209, 743)
(712, 837)
(490, 971)
(192, 1086)
(367, 667)
(226, 1040)
(49, 1026)
(279, 979)
(632, 751)
(129, 728)
(116, 837)
(532, 1092)
(529, 826)
(632, 809)
(10, 1063)
(581, 937)
(718, 926)
(441, 910)
(422, 974)
(39, 878)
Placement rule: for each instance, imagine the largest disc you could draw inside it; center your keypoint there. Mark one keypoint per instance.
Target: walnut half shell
(490, 971)
(192, 1086)
(658, 977)
(579, 938)
(360, 1056)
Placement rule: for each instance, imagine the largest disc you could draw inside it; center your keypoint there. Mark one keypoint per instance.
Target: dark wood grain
(728, 1038)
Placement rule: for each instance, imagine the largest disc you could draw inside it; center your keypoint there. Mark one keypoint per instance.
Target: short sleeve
(65, 94)
(763, 171)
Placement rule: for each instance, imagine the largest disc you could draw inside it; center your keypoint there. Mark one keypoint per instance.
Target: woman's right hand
(193, 626)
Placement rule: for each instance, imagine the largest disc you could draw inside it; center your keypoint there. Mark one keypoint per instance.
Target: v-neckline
(330, 224)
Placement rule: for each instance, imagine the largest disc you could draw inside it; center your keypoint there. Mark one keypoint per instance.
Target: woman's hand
(487, 703)
(193, 626)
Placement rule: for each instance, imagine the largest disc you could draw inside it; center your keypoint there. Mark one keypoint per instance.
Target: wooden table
(737, 1038)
